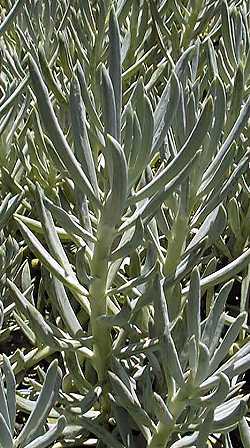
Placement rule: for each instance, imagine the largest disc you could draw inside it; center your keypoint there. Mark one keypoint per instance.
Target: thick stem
(98, 299)
(176, 243)
(163, 433)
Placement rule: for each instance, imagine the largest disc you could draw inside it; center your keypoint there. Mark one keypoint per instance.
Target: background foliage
(124, 223)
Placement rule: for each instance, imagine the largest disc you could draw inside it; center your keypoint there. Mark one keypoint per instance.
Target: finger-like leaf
(126, 400)
(65, 309)
(51, 336)
(86, 97)
(227, 342)
(219, 118)
(81, 141)
(213, 226)
(53, 266)
(236, 101)
(150, 345)
(51, 236)
(7, 211)
(6, 440)
(165, 111)
(193, 306)
(169, 354)
(148, 209)
(109, 105)
(161, 311)
(227, 33)
(67, 222)
(234, 217)
(128, 136)
(76, 372)
(244, 432)
(51, 436)
(10, 392)
(226, 420)
(56, 135)
(116, 199)
(4, 411)
(215, 313)
(190, 147)
(115, 69)
(122, 419)
(142, 156)
(212, 58)
(219, 162)
(204, 430)
(186, 441)
(218, 396)
(90, 399)
(44, 404)
(11, 16)
(134, 241)
(187, 264)
(99, 431)
(48, 76)
(225, 273)
(203, 364)
(161, 410)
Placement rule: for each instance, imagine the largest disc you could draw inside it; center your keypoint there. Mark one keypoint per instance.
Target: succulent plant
(32, 434)
(125, 190)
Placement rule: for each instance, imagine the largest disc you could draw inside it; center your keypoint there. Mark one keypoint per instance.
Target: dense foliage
(124, 223)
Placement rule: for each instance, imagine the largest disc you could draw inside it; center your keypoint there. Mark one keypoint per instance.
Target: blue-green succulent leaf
(11, 16)
(187, 152)
(193, 306)
(81, 140)
(204, 430)
(165, 111)
(44, 404)
(109, 105)
(56, 135)
(213, 226)
(227, 417)
(49, 437)
(244, 432)
(215, 314)
(227, 342)
(115, 68)
(6, 440)
(10, 392)
(52, 265)
(203, 364)
(117, 196)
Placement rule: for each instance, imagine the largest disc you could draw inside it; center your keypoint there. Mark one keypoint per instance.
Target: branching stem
(98, 299)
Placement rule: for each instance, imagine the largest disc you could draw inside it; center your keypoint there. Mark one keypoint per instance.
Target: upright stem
(98, 299)
(164, 432)
(176, 243)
